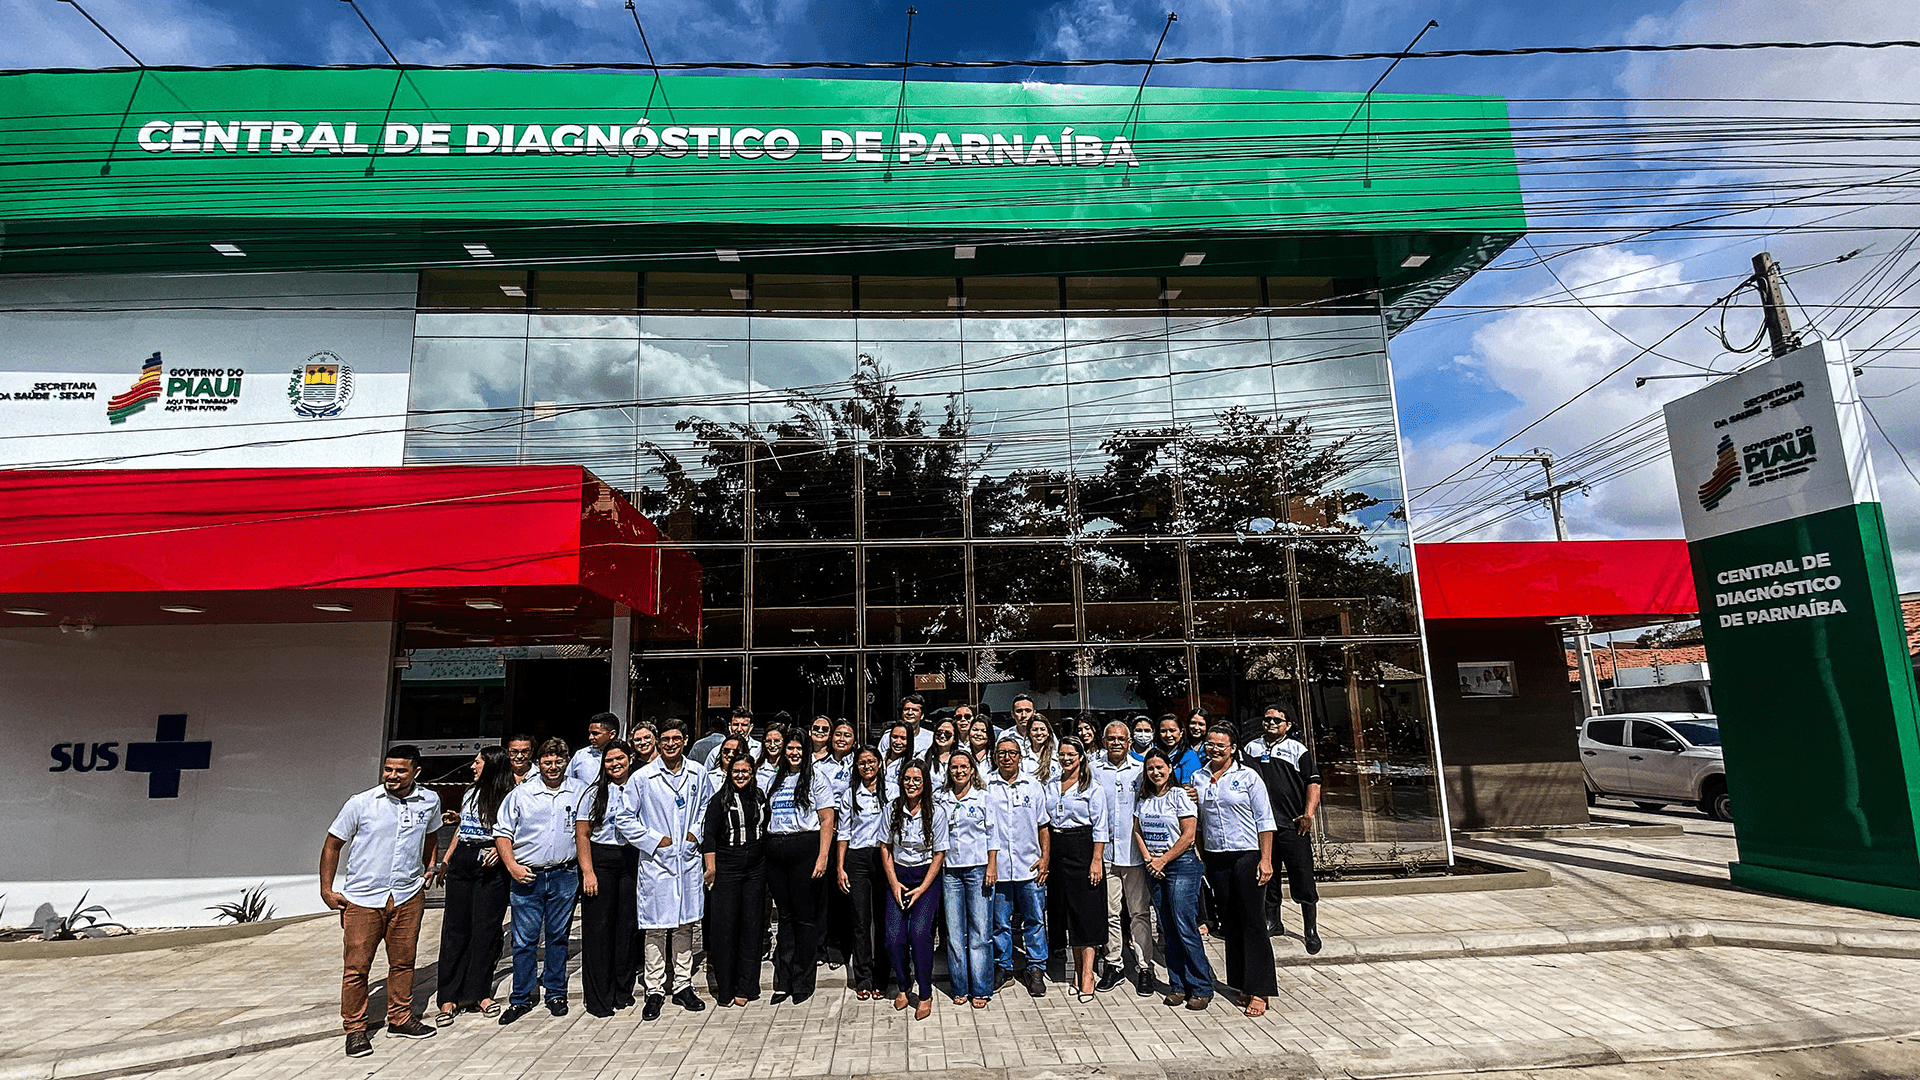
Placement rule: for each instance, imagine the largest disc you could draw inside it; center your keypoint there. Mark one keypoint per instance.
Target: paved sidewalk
(1640, 951)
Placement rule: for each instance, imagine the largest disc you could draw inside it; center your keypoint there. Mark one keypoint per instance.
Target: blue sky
(1513, 347)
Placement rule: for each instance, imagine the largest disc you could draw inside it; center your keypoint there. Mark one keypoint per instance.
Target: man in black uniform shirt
(1293, 786)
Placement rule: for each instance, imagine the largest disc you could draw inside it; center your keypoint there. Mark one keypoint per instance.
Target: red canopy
(1614, 582)
(253, 545)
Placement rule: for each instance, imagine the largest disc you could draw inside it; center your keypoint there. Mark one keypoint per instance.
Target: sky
(1827, 134)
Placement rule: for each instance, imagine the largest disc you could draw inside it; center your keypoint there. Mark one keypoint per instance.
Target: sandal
(444, 1018)
(959, 999)
(1257, 1007)
(863, 995)
(489, 1008)
(979, 1003)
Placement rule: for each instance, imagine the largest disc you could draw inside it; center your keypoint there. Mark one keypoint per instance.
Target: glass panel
(470, 324)
(801, 368)
(722, 584)
(1213, 292)
(463, 400)
(1112, 293)
(701, 689)
(1132, 591)
(1032, 500)
(579, 393)
(802, 597)
(1239, 684)
(803, 490)
(1117, 376)
(908, 293)
(1046, 675)
(1355, 587)
(1125, 487)
(711, 292)
(1371, 735)
(1219, 364)
(916, 594)
(586, 290)
(486, 290)
(1015, 376)
(1124, 683)
(803, 292)
(1012, 293)
(1239, 589)
(909, 392)
(550, 325)
(1023, 592)
(692, 385)
(818, 684)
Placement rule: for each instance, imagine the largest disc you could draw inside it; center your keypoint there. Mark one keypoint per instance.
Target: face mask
(1142, 740)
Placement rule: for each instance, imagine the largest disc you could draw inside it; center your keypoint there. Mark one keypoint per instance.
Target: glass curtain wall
(1120, 496)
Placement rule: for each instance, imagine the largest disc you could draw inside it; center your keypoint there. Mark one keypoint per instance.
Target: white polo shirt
(1019, 809)
(863, 818)
(970, 831)
(585, 766)
(914, 845)
(788, 816)
(1234, 810)
(539, 821)
(1082, 808)
(1123, 787)
(386, 844)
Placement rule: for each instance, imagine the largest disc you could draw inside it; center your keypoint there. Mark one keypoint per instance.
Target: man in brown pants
(391, 829)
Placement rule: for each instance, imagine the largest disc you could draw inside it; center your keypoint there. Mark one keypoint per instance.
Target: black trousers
(470, 931)
(737, 921)
(1294, 853)
(790, 861)
(866, 893)
(1240, 907)
(609, 930)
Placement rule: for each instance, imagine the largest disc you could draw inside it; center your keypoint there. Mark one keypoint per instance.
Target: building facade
(977, 390)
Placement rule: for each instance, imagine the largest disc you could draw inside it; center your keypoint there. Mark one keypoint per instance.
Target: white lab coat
(671, 879)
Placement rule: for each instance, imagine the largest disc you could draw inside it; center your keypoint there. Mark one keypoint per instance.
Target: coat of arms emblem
(321, 387)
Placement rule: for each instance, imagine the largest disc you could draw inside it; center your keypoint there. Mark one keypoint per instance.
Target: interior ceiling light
(231, 251)
(484, 603)
(478, 251)
(726, 254)
(1193, 258)
(513, 290)
(738, 294)
(183, 609)
(963, 251)
(1169, 294)
(333, 606)
(29, 611)
(1417, 259)
(956, 301)
(803, 630)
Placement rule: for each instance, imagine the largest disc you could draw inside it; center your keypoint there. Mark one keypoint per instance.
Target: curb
(168, 1051)
(1657, 934)
(1561, 832)
(149, 942)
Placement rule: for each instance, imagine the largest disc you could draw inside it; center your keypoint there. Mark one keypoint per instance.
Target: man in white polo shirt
(585, 766)
(534, 836)
(388, 831)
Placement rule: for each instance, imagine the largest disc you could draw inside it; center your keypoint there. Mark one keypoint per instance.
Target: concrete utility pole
(1578, 626)
(1773, 297)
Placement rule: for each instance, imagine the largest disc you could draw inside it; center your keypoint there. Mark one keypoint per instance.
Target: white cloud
(41, 34)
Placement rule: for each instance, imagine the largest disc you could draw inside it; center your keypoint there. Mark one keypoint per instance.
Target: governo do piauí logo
(1725, 475)
(145, 388)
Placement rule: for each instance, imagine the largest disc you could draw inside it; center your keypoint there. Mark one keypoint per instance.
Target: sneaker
(1148, 985)
(412, 1029)
(359, 1044)
(1109, 979)
(1176, 999)
(688, 1000)
(1002, 976)
(557, 1006)
(515, 1012)
(1036, 983)
(655, 1003)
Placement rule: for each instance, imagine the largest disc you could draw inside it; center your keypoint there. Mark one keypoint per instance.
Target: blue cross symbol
(164, 758)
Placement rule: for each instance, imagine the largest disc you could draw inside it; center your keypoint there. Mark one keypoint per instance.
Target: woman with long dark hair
(911, 853)
(1165, 826)
(609, 887)
(476, 894)
(967, 879)
(980, 741)
(899, 751)
(1081, 813)
(771, 747)
(800, 826)
(1236, 822)
(859, 828)
(734, 847)
(946, 739)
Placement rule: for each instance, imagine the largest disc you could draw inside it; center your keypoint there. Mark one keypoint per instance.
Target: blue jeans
(1031, 898)
(1176, 898)
(969, 942)
(542, 906)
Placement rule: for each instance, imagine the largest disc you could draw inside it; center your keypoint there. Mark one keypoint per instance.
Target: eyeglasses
(822, 730)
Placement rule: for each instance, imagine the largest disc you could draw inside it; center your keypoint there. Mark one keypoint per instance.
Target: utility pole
(1578, 625)
(1773, 298)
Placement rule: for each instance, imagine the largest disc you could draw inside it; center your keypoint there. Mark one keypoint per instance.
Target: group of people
(1028, 848)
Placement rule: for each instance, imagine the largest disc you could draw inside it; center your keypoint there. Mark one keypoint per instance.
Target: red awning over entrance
(1617, 583)
(477, 545)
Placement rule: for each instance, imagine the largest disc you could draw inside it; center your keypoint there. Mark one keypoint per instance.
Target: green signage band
(607, 164)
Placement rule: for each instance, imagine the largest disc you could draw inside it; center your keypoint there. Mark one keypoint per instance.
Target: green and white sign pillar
(1801, 615)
